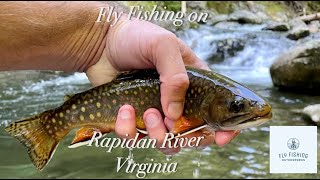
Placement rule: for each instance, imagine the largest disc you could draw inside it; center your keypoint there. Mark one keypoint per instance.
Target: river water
(23, 94)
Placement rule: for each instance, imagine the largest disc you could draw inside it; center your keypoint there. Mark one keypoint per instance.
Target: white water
(250, 65)
(65, 82)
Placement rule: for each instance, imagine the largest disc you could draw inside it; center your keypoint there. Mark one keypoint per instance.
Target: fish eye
(236, 106)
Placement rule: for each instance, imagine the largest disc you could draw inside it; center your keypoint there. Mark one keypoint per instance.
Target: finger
(126, 122)
(204, 138)
(169, 123)
(224, 137)
(173, 76)
(157, 130)
(190, 58)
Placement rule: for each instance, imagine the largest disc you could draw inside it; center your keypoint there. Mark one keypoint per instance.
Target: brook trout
(212, 100)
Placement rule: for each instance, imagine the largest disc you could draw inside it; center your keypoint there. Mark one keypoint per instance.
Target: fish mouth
(245, 121)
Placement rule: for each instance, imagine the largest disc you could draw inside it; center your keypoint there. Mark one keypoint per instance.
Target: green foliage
(171, 5)
(222, 7)
(314, 6)
(274, 7)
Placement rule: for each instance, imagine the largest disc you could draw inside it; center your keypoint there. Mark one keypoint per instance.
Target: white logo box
(293, 149)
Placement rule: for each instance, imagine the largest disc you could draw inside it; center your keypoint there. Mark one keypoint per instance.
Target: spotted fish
(212, 100)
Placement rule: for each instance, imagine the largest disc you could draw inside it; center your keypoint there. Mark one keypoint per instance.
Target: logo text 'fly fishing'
(293, 149)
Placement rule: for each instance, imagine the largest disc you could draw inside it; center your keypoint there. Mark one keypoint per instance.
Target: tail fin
(40, 144)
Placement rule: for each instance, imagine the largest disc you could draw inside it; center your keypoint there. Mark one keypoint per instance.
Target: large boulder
(298, 68)
(244, 16)
(213, 20)
(299, 30)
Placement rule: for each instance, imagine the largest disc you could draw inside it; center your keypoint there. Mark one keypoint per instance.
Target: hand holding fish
(138, 44)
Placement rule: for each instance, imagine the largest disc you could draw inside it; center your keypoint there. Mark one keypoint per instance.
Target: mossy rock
(298, 69)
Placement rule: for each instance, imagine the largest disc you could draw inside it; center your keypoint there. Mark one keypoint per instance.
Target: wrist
(84, 47)
(107, 18)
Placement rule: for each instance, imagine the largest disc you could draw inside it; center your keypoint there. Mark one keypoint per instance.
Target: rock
(299, 30)
(299, 68)
(313, 111)
(314, 26)
(263, 16)
(244, 16)
(280, 17)
(197, 4)
(277, 26)
(213, 20)
(310, 113)
(226, 48)
(251, 6)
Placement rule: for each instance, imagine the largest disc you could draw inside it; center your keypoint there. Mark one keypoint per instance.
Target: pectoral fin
(183, 125)
(84, 134)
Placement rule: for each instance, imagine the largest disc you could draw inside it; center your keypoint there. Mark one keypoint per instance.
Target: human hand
(138, 44)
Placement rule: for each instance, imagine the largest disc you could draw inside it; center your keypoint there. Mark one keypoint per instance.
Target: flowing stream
(23, 94)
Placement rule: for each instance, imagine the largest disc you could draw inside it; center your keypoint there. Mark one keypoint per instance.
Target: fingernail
(125, 114)
(175, 109)
(152, 120)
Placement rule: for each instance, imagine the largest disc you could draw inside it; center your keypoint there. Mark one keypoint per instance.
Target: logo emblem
(293, 143)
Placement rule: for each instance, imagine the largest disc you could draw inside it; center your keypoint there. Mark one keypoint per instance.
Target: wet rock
(244, 16)
(312, 113)
(213, 20)
(314, 26)
(299, 68)
(226, 48)
(277, 26)
(299, 30)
